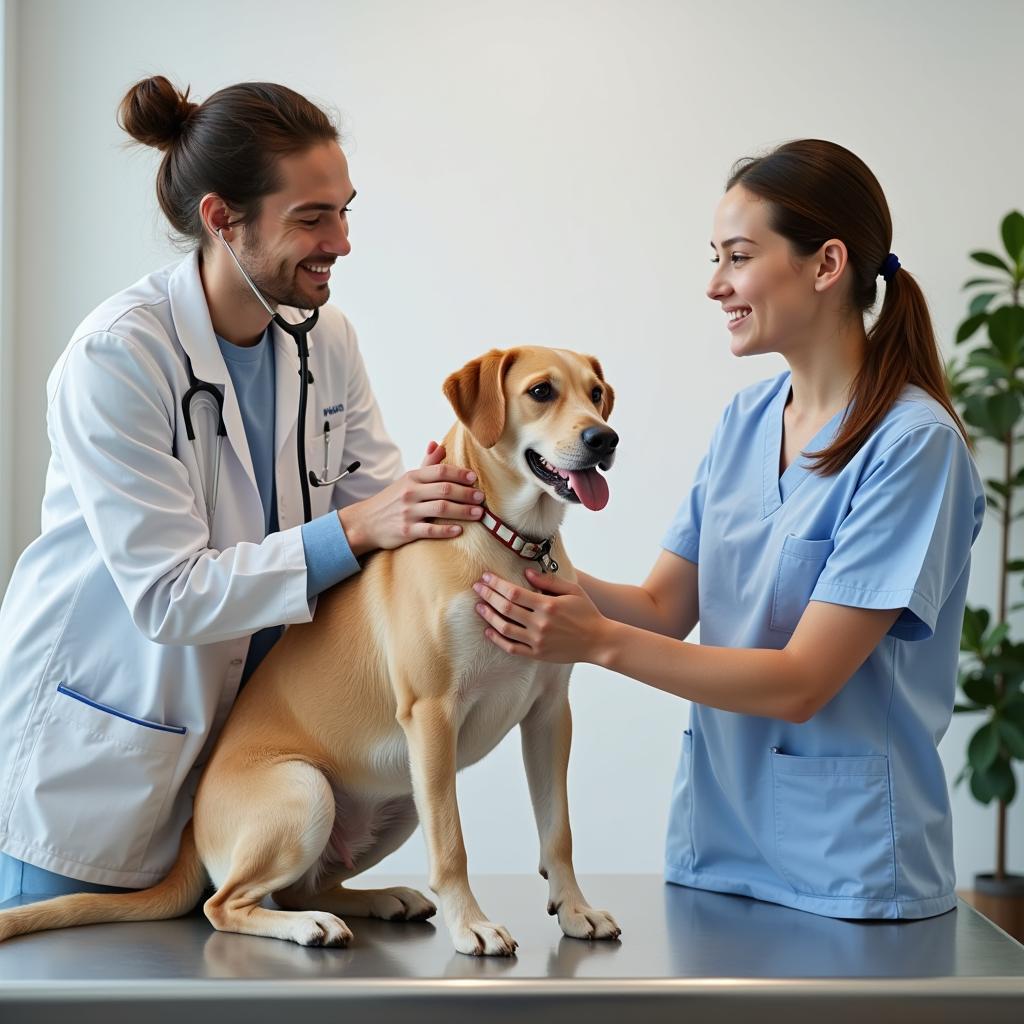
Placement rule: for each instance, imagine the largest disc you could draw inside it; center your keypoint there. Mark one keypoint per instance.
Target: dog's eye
(596, 395)
(542, 392)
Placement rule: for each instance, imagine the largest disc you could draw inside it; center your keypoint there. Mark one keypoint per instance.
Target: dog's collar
(533, 551)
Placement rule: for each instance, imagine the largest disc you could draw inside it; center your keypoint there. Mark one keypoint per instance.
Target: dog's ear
(609, 392)
(477, 394)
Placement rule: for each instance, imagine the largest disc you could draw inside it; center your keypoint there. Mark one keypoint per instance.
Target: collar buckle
(544, 560)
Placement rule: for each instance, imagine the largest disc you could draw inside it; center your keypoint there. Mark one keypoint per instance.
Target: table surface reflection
(673, 938)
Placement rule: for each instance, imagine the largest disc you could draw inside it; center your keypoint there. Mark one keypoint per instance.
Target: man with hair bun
(168, 566)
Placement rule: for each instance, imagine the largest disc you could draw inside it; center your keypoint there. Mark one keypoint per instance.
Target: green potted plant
(987, 385)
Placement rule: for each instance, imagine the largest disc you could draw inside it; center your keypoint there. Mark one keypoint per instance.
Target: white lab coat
(129, 601)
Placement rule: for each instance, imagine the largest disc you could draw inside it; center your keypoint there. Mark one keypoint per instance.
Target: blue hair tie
(889, 267)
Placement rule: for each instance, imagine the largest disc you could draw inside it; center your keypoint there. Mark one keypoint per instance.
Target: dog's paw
(316, 928)
(399, 903)
(484, 938)
(583, 922)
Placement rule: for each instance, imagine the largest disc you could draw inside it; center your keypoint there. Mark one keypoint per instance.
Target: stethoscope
(212, 400)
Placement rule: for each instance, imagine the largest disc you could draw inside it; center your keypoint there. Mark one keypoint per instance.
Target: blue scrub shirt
(847, 814)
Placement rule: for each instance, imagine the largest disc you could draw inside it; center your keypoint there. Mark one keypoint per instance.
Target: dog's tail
(174, 896)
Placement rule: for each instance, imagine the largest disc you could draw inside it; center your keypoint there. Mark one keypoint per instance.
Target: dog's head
(544, 412)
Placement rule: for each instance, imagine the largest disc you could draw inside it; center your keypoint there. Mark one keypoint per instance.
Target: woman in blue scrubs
(824, 548)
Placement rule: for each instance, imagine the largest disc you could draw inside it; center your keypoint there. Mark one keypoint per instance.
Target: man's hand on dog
(560, 624)
(403, 512)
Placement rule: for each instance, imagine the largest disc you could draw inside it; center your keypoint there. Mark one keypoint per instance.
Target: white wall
(534, 172)
(8, 221)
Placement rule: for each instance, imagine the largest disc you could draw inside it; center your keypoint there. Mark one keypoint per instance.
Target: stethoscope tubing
(300, 333)
(198, 387)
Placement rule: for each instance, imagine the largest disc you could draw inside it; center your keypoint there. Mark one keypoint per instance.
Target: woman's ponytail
(901, 350)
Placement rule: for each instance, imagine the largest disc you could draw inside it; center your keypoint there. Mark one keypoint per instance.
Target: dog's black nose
(600, 440)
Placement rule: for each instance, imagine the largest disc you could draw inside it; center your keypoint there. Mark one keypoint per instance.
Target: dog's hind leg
(322, 887)
(395, 903)
(260, 836)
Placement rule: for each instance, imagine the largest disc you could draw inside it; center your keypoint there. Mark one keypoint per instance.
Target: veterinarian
(168, 565)
(824, 548)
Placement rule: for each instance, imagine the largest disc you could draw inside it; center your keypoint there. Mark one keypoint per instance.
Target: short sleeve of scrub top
(846, 814)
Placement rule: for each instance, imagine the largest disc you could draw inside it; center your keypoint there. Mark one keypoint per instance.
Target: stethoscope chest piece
(202, 408)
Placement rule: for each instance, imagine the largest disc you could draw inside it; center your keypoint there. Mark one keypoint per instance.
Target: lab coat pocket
(833, 825)
(679, 843)
(324, 452)
(95, 782)
(800, 565)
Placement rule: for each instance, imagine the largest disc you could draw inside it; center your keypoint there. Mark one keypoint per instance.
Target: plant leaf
(1012, 737)
(980, 302)
(987, 359)
(1004, 784)
(975, 281)
(1012, 230)
(975, 412)
(976, 621)
(980, 691)
(983, 748)
(990, 259)
(983, 617)
(1004, 410)
(969, 326)
(994, 783)
(1007, 664)
(994, 639)
(1006, 329)
(981, 787)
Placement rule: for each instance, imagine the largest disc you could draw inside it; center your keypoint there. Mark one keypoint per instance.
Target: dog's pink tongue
(591, 488)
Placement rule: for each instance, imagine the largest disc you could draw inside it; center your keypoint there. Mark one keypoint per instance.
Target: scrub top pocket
(98, 772)
(800, 565)
(833, 825)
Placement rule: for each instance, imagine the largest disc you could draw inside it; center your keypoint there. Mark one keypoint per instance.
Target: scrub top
(847, 814)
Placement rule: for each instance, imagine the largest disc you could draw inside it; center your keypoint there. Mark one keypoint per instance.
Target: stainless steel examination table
(685, 955)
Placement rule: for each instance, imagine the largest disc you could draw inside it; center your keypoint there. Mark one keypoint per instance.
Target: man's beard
(276, 281)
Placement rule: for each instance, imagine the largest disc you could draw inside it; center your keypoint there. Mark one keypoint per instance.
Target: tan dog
(360, 719)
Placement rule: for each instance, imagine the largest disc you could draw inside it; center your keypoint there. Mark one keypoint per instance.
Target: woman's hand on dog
(403, 511)
(559, 624)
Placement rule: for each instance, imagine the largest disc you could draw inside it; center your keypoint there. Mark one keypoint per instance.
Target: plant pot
(1002, 902)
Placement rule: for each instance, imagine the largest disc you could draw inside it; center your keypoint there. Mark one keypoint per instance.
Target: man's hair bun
(154, 113)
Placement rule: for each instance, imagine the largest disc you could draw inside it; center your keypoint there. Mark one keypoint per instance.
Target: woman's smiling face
(766, 290)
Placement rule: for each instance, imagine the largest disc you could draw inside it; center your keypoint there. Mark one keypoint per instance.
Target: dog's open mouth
(585, 486)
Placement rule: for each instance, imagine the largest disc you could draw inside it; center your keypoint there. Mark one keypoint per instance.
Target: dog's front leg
(431, 733)
(546, 736)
